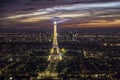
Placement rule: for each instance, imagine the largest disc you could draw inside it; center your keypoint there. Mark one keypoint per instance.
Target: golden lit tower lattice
(55, 53)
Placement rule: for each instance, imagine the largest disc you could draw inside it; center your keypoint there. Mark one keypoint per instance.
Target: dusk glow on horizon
(75, 14)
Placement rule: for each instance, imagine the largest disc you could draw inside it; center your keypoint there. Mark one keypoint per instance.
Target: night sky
(72, 14)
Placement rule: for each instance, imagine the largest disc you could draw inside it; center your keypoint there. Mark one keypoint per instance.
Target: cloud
(65, 9)
(74, 12)
(101, 23)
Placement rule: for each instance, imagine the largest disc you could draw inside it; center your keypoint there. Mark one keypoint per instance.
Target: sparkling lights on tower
(55, 53)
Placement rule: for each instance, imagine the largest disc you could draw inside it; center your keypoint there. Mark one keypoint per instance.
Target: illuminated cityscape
(59, 40)
(85, 56)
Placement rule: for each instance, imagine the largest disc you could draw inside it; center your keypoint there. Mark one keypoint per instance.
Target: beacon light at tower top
(55, 22)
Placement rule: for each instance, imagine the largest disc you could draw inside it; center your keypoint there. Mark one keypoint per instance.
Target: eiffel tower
(55, 53)
(54, 57)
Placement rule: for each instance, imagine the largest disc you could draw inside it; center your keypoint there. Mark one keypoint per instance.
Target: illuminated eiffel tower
(55, 53)
(54, 57)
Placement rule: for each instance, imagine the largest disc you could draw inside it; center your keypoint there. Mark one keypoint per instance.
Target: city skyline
(37, 15)
(60, 39)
